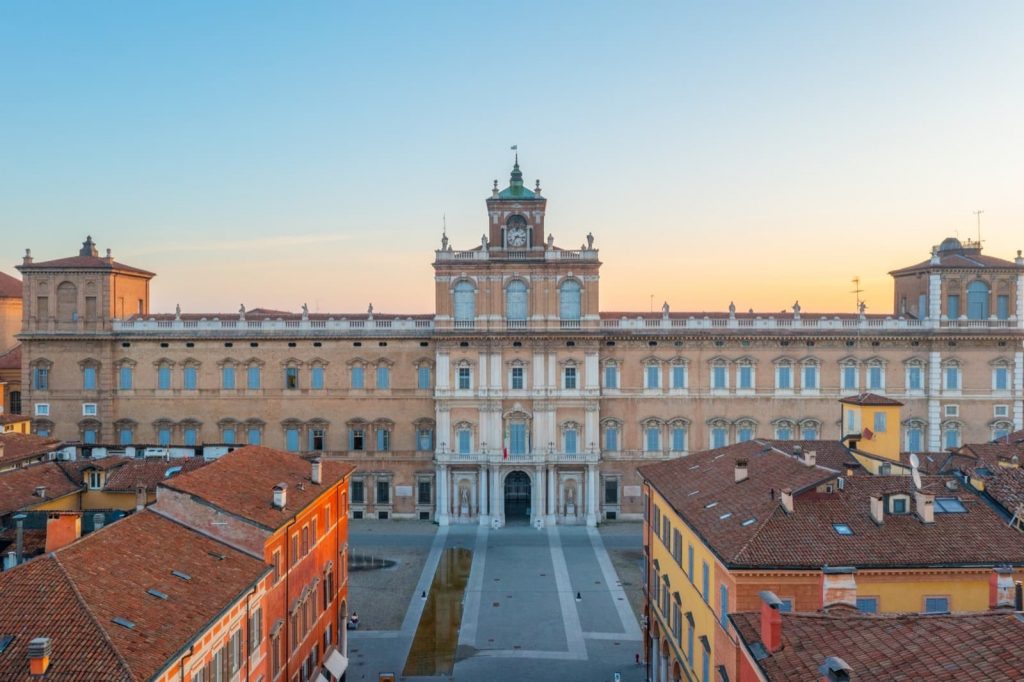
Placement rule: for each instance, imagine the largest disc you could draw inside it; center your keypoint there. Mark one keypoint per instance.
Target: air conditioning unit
(952, 410)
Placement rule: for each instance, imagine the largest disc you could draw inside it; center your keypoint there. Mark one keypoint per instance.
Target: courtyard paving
(539, 605)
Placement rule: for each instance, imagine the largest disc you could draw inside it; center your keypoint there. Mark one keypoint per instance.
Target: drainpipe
(19, 520)
(287, 575)
(181, 666)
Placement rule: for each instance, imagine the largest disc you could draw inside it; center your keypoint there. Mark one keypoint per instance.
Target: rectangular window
(253, 378)
(424, 440)
(254, 436)
(1002, 307)
(867, 604)
(809, 433)
(383, 440)
(383, 377)
(652, 436)
(745, 433)
(879, 422)
(723, 605)
(678, 376)
(719, 436)
(190, 435)
(953, 306)
(256, 629)
(125, 436)
(570, 442)
(423, 378)
(517, 379)
(227, 378)
(517, 439)
(316, 378)
(291, 378)
(787, 605)
(705, 667)
(89, 378)
(228, 436)
(124, 378)
(785, 377)
(810, 377)
(611, 439)
(163, 378)
(678, 439)
(611, 376)
(570, 378)
(383, 492)
(952, 378)
(41, 379)
(689, 562)
(874, 378)
(423, 494)
(89, 436)
(357, 377)
(358, 491)
(465, 441)
(317, 439)
(705, 583)
(936, 604)
(611, 491)
(89, 409)
(952, 438)
(914, 439)
(849, 377)
(914, 376)
(191, 378)
(746, 377)
(718, 377)
(689, 642)
(653, 374)
(292, 439)
(465, 382)
(164, 436)
(1001, 379)
(356, 439)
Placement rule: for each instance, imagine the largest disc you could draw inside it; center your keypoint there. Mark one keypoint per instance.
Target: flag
(505, 443)
(515, 147)
(867, 434)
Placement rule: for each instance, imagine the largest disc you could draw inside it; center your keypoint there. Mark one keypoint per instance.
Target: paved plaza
(539, 605)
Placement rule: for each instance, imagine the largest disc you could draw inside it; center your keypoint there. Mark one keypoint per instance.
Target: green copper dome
(515, 189)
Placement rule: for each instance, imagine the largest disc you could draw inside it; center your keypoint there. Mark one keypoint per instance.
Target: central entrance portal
(517, 497)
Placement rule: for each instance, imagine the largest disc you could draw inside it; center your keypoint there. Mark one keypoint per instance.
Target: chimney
(1000, 588)
(838, 586)
(62, 528)
(28, 257)
(835, 669)
(97, 522)
(787, 500)
(878, 509)
(811, 458)
(317, 476)
(140, 497)
(280, 495)
(925, 504)
(1018, 597)
(741, 473)
(771, 622)
(40, 491)
(39, 656)
(19, 520)
(10, 561)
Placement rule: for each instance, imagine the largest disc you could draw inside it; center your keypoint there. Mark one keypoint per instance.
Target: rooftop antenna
(915, 462)
(977, 214)
(857, 291)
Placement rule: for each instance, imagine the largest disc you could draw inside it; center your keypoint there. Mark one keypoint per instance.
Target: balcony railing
(789, 323)
(536, 253)
(528, 458)
(272, 325)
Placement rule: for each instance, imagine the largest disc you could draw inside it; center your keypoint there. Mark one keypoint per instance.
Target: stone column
(934, 393)
(934, 296)
(591, 494)
(1018, 391)
(552, 508)
(537, 495)
(483, 512)
(442, 495)
(497, 503)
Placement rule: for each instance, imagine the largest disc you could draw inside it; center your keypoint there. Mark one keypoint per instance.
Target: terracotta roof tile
(1007, 488)
(956, 260)
(242, 483)
(10, 287)
(149, 473)
(870, 400)
(40, 600)
(112, 569)
(17, 487)
(84, 263)
(22, 446)
(831, 454)
(981, 646)
(13, 418)
(11, 359)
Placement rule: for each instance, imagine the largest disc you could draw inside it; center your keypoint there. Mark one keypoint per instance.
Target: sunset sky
(274, 153)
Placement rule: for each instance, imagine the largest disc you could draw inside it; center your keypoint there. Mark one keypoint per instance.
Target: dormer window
(899, 504)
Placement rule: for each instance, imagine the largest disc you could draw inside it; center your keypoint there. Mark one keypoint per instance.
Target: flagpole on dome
(515, 148)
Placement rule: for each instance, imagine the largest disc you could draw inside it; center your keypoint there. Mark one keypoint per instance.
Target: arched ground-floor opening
(517, 497)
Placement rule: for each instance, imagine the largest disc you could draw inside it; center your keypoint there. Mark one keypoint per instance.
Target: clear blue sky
(281, 152)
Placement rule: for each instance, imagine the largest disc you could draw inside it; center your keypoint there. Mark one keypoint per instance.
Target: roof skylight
(842, 529)
(749, 522)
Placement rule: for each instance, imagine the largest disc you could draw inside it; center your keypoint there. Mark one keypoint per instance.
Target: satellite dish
(915, 462)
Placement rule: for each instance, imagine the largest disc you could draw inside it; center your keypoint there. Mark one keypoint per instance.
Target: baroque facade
(519, 398)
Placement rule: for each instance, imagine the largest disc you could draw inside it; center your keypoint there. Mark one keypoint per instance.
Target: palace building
(519, 398)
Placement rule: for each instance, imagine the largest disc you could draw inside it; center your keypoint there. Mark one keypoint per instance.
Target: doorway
(517, 497)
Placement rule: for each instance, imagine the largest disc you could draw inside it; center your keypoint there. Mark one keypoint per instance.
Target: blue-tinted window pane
(465, 302)
(746, 377)
(570, 442)
(517, 439)
(914, 440)
(254, 437)
(292, 440)
(316, 378)
(783, 433)
(190, 436)
(383, 377)
(653, 376)
(518, 376)
(1003, 307)
(678, 376)
(718, 377)
(191, 378)
(1002, 378)
(611, 377)
(867, 604)
(125, 436)
(810, 377)
(357, 377)
(849, 377)
(227, 378)
(569, 301)
(744, 434)
(125, 379)
(89, 436)
(163, 379)
(465, 445)
(253, 378)
(809, 433)
(653, 436)
(914, 378)
(611, 439)
(383, 440)
(952, 438)
(952, 378)
(785, 378)
(953, 306)
(89, 378)
(874, 378)
(880, 422)
(229, 436)
(718, 437)
(678, 439)
(164, 437)
(423, 377)
(936, 604)
(705, 583)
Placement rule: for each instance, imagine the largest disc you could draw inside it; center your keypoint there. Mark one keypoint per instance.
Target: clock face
(517, 236)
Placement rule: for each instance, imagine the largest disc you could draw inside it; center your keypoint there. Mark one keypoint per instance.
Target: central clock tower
(516, 215)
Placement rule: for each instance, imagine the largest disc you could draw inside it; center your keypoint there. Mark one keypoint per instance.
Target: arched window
(569, 300)
(914, 435)
(515, 300)
(67, 302)
(977, 300)
(465, 302)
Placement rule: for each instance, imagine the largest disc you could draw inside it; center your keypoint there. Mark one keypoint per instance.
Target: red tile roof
(13, 418)
(11, 359)
(149, 473)
(979, 646)
(242, 483)
(10, 287)
(17, 487)
(831, 454)
(18, 447)
(870, 400)
(85, 263)
(957, 260)
(702, 488)
(1007, 488)
(112, 569)
(40, 600)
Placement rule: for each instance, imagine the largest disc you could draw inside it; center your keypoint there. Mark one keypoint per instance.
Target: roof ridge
(760, 525)
(92, 617)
